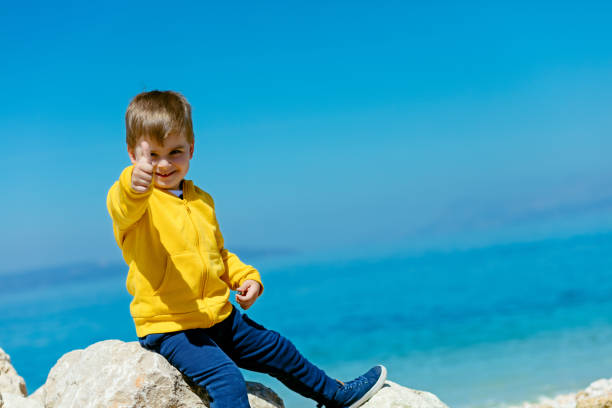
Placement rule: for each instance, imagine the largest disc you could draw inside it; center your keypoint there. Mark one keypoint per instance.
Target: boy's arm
(128, 198)
(125, 205)
(236, 272)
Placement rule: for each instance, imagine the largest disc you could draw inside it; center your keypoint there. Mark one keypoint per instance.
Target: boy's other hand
(248, 293)
(142, 175)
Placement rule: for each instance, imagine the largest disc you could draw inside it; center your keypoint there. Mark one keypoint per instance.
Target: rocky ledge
(114, 374)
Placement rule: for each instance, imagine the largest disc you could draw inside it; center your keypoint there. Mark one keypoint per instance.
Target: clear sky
(319, 126)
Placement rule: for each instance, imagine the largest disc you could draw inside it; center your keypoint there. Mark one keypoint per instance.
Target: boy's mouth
(162, 175)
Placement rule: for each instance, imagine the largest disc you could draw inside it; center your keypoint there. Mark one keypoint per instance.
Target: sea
(489, 326)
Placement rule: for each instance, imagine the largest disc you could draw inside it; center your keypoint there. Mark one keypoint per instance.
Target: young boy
(180, 274)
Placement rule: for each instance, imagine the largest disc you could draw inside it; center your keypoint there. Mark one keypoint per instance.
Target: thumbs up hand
(144, 170)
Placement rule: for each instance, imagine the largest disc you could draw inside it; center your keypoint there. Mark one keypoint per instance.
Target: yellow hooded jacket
(180, 274)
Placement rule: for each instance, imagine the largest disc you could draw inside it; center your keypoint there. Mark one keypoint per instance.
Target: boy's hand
(248, 293)
(142, 175)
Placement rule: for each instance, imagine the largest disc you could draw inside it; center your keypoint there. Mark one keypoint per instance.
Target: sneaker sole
(379, 383)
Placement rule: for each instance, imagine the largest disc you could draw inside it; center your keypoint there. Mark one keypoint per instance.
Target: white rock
(597, 394)
(10, 400)
(261, 396)
(599, 388)
(124, 375)
(38, 395)
(393, 395)
(10, 381)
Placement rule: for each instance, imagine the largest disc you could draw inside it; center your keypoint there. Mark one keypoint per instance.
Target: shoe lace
(356, 382)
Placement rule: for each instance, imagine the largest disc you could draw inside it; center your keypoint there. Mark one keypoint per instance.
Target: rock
(599, 388)
(261, 396)
(112, 374)
(38, 395)
(10, 381)
(596, 395)
(597, 402)
(393, 395)
(10, 400)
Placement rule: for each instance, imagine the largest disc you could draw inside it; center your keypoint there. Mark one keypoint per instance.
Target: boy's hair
(157, 114)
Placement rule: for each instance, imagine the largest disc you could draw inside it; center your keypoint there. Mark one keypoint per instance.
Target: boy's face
(170, 160)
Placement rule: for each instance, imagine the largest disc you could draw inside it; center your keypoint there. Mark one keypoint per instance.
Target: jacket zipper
(203, 275)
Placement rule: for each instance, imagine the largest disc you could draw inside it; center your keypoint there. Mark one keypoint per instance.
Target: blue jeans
(211, 357)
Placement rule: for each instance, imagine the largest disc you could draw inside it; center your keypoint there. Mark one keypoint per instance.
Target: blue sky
(319, 126)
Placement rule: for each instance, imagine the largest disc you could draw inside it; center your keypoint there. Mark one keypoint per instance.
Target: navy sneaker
(355, 393)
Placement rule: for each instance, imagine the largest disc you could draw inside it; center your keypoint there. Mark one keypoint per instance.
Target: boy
(180, 274)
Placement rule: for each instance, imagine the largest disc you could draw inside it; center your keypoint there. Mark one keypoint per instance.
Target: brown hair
(156, 114)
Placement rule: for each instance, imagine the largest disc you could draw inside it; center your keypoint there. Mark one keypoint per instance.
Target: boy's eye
(175, 152)
(153, 154)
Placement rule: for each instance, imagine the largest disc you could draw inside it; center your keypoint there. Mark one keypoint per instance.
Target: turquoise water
(479, 328)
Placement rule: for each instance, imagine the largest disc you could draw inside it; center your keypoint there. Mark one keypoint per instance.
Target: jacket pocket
(215, 264)
(183, 276)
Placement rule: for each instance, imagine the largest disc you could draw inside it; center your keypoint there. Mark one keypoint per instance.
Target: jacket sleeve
(126, 206)
(236, 272)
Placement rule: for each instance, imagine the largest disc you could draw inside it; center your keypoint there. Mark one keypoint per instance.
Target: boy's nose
(163, 164)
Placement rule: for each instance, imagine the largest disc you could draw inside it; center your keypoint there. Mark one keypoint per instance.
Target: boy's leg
(255, 348)
(197, 356)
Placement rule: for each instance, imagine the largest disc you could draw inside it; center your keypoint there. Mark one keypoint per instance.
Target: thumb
(242, 289)
(144, 151)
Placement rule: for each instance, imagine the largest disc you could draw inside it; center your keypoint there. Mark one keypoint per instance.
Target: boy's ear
(190, 151)
(132, 154)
